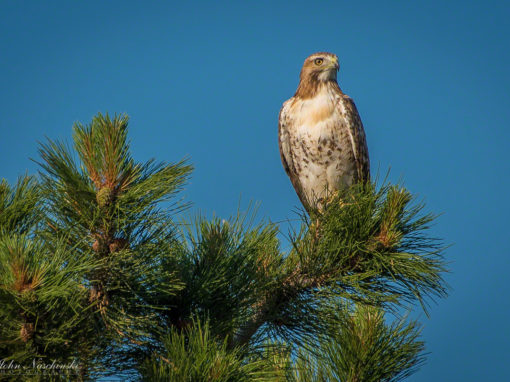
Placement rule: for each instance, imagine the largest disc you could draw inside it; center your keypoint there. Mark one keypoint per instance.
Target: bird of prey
(321, 138)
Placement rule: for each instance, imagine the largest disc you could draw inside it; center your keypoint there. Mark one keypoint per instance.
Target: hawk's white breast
(321, 143)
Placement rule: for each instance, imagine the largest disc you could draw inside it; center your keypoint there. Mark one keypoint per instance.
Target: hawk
(321, 138)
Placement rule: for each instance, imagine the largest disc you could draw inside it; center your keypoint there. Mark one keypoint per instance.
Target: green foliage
(196, 355)
(19, 206)
(370, 244)
(226, 266)
(365, 348)
(367, 245)
(107, 207)
(94, 268)
(44, 304)
(107, 193)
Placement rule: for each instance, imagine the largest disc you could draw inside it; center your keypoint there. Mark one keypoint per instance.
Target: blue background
(430, 79)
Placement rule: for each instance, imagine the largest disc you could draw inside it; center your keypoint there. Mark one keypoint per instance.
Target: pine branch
(44, 310)
(367, 245)
(20, 206)
(195, 355)
(107, 207)
(364, 348)
(226, 266)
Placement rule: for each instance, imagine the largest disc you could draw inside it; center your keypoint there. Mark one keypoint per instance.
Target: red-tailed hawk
(321, 137)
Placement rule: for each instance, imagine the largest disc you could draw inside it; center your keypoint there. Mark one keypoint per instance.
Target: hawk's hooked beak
(336, 65)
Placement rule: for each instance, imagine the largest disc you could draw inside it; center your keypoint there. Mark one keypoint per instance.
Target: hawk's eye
(318, 61)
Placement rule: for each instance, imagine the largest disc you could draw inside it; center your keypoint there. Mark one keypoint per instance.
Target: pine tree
(96, 272)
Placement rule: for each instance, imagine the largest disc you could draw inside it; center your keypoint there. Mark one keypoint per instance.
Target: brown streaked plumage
(321, 137)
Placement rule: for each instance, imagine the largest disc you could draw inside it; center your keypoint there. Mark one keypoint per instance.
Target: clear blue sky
(430, 79)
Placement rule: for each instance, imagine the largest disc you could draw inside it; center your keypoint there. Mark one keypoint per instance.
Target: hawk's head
(318, 69)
